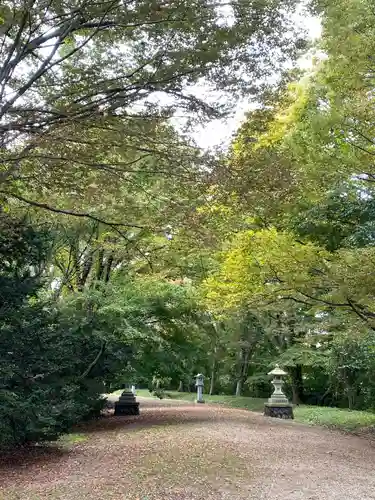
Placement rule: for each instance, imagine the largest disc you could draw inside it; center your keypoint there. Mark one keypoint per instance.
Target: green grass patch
(347, 420)
(73, 438)
(253, 404)
(120, 391)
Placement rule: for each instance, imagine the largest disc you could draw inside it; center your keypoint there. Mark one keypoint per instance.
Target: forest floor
(176, 450)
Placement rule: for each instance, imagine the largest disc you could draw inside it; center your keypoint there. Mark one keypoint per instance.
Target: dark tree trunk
(213, 376)
(321, 400)
(86, 268)
(239, 387)
(349, 388)
(108, 268)
(351, 398)
(100, 265)
(75, 263)
(297, 384)
(244, 368)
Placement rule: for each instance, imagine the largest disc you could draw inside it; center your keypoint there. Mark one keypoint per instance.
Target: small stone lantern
(199, 384)
(278, 404)
(127, 404)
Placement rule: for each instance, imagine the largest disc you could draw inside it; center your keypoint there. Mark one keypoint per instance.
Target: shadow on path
(152, 413)
(151, 416)
(38, 455)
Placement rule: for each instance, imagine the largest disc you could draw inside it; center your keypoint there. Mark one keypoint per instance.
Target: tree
(24, 253)
(80, 86)
(243, 334)
(350, 366)
(295, 331)
(52, 366)
(294, 201)
(267, 266)
(343, 219)
(333, 138)
(57, 358)
(232, 340)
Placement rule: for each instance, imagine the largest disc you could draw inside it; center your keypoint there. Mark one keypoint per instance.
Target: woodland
(131, 254)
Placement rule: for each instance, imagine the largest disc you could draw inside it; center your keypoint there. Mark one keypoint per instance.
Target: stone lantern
(278, 404)
(127, 404)
(199, 384)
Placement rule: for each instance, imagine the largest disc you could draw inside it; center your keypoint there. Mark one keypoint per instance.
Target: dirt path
(174, 451)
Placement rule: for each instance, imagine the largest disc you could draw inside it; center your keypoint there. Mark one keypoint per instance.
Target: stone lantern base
(126, 405)
(279, 410)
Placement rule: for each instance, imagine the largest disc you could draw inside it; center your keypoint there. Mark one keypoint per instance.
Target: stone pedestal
(200, 394)
(278, 405)
(126, 405)
(278, 410)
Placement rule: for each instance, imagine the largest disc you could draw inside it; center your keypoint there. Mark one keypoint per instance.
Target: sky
(218, 133)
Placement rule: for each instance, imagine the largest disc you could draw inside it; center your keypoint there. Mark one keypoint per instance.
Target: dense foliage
(301, 169)
(51, 364)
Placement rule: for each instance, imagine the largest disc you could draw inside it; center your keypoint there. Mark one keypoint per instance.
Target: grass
(346, 420)
(73, 438)
(253, 404)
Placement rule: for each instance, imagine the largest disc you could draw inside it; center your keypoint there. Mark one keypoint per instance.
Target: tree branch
(94, 363)
(69, 212)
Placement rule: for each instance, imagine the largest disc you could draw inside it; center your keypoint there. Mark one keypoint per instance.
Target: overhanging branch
(93, 363)
(69, 212)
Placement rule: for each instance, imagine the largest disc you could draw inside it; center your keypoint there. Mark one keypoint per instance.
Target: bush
(44, 389)
(52, 361)
(158, 393)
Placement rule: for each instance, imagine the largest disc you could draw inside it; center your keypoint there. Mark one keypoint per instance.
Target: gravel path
(179, 451)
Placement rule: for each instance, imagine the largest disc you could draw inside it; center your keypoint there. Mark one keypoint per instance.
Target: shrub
(52, 362)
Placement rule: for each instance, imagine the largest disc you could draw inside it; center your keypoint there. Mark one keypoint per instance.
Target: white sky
(218, 133)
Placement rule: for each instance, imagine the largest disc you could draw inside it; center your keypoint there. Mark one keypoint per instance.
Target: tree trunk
(100, 265)
(321, 400)
(108, 268)
(86, 268)
(75, 263)
(239, 387)
(350, 390)
(213, 376)
(92, 365)
(297, 384)
(351, 396)
(180, 386)
(244, 368)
